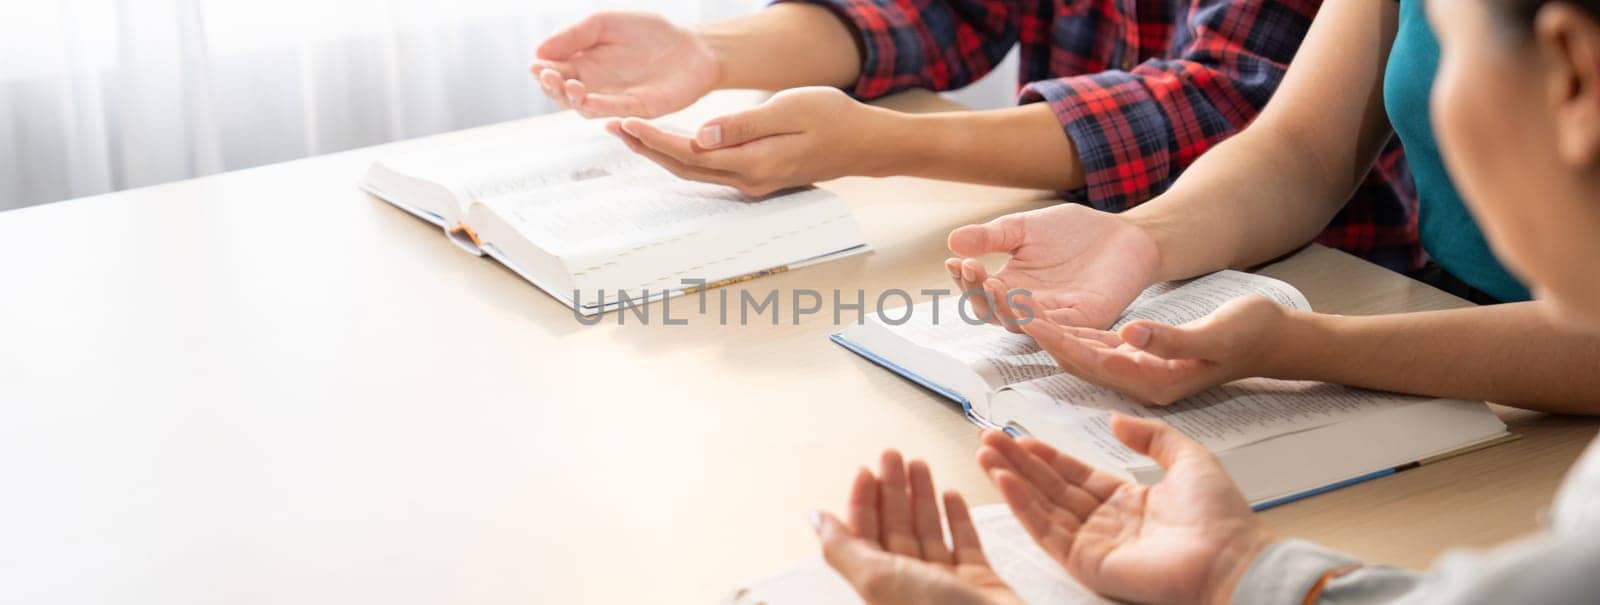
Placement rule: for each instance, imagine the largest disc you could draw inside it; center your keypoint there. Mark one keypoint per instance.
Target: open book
(1012, 553)
(1278, 439)
(571, 209)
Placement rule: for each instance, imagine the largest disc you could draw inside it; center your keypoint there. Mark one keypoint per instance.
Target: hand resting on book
(1160, 364)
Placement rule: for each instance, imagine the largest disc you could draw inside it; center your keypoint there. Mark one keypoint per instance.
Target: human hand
(1187, 539)
(1081, 267)
(625, 64)
(798, 137)
(1160, 364)
(893, 550)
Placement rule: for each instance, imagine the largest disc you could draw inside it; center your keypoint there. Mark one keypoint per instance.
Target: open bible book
(1278, 439)
(573, 210)
(1013, 554)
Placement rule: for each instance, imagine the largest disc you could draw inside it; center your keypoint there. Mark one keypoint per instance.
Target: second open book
(1278, 439)
(572, 210)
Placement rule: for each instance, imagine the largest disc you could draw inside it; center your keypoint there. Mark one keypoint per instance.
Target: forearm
(1513, 354)
(784, 46)
(1277, 183)
(1253, 198)
(1014, 147)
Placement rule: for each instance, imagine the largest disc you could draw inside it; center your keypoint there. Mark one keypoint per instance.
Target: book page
(1197, 298)
(519, 158)
(1232, 415)
(996, 355)
(1012, 553)
(615, 211)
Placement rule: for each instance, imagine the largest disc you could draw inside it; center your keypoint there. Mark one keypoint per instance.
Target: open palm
(893, 551)
(1082, 267)
(1159, 364)
(625, 64)
(1185, 539)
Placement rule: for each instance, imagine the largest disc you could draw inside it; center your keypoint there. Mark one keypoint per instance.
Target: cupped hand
(1159, 364)
(1186, 539)
(1079, 266)
(798, 137)
(893, 550)
(625, 64)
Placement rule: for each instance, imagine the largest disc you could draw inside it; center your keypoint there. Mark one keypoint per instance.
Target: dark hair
(1525, 11)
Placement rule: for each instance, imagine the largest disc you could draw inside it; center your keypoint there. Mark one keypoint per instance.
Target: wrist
(1233, 561)
(1154, 228)
(721, 50)
(893, 143)
(1297, 339)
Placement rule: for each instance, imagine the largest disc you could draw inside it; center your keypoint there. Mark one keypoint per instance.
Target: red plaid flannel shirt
(1142, 87)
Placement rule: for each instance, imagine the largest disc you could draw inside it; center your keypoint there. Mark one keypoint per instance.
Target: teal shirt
(1448, 232)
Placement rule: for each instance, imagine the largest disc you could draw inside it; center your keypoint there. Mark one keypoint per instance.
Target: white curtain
(102, 95)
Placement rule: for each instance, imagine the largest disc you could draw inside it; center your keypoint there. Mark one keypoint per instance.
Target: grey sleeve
(1546, 568)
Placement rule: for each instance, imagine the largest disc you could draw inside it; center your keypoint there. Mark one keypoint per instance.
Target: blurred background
(102, 95)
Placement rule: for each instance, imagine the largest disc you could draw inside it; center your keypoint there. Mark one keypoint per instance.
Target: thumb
(742, 127)
(1192, 341)
(575, 38)
(1004, 234)
(852, 557)
(1155, 439)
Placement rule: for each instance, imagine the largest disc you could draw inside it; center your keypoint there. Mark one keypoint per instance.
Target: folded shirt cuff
(1285, 571)
(1121, 134)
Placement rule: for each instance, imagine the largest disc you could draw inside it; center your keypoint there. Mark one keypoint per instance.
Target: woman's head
(1516, 109)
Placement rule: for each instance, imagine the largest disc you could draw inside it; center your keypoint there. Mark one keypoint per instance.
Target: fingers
(852, 557)
(559, 82)
(671, 164)
(995, 293)
(959, 272)
(563, 69)
(863, 505)
(1026, 504)
(576, 38)
(677, 146)
(1092, 335)
(1004, 234)
(1155, 439)
(552, 68)
(953, 266)
(896, 532)
(576, 92)
(1172, 342)
(745, 126)
(738, 162)
(1005, 453)
(973, 272)
(1074, 354)
(550, 75)
(1099, 484)
(553, 83)
(925, 514)
(730, 167)
(971, 276)
(1095, 357)
(963, 534)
